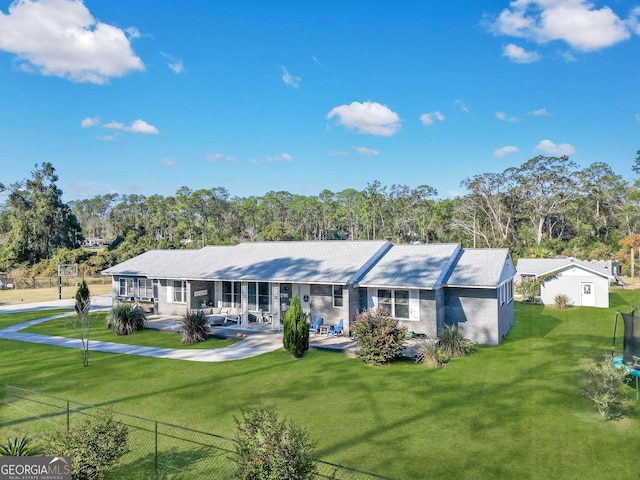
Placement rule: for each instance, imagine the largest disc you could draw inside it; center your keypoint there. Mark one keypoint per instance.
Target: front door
(588, 295)
(303, 292)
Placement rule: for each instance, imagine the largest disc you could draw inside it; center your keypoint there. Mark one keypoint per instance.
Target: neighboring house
(423, 286)
(584, 283)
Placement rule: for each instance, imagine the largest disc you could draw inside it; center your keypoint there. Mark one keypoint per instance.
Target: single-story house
(584, 283)
(424, 286)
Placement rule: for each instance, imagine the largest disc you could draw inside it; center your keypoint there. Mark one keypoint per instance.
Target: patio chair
(336, 329)
(315, 326)
(234, 315)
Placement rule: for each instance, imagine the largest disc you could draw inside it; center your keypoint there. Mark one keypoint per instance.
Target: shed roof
(544, 266)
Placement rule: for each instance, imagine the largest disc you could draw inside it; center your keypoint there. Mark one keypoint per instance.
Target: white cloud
(106, 138)
(215, 157)
(638, 117)
(366, 151)
(505, 118)
(174, 64)
(90, 122)
(428, 118)
(368, 117)
(283, 157)
(520, 55)
(577, 22)
(168, 162)
(462, 106)
(504, 151)
(541, 112)
(316, 61)
(61, 38)
(138, 126)
(338, 153)
(289, 79)
(550, 148)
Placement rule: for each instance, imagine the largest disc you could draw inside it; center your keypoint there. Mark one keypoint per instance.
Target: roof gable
(546, 266)
(482, 267)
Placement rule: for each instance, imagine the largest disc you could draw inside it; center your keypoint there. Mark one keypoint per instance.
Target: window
(259, 296)
(394, 302)
(126, 287)
(179, 291)
(338, 300)
(231, 294)
(505, 292)
(145, 288)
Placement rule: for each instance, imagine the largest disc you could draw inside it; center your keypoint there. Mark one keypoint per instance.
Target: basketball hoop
(66, 270)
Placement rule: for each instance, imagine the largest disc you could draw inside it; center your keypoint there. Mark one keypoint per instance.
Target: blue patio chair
(336, 329)
(315, 327)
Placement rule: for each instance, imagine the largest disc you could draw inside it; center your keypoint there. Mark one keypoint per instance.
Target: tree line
(547, 206)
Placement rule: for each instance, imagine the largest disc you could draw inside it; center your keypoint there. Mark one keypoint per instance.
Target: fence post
(155, 463)
(68, 417)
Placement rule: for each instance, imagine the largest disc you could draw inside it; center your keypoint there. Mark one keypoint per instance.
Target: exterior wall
(168, 308)
(569, 283)
(506, 318)
(322, 304)
(475, 312)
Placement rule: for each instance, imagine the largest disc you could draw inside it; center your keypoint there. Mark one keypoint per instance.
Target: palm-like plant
(126, 319)
(194, 328)
(19, 447)
(453, 343)
(428, 354)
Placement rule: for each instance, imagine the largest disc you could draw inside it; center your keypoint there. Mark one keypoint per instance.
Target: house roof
(544, 266)
(339, 262)
(367, 263)
(412, 266)
(482, 267)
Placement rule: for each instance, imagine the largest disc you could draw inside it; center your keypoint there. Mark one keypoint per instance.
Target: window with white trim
(505, 292)
(179, 291)
(145, 288)
(338, 299)
(394, 302)
(258, 296)
(126, 287)
(231, 294)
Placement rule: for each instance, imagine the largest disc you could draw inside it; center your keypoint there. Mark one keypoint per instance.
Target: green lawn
(510, 411)
(61, 327)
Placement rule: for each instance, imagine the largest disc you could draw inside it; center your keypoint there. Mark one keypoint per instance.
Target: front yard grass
(148, 337)
(511, 411)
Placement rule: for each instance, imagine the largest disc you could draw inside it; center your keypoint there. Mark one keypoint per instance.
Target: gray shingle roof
(318, 262)
(543, 266)
(412, 266)
(482, 267)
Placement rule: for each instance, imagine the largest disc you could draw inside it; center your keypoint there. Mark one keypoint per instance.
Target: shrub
(195, 328)
(429, 355)
(379, 338)
(126, 319)
(296, 330)
(19, 447)
(603, 386)
(562, 301)
(94, 445)
(268, 449)
(453, 343)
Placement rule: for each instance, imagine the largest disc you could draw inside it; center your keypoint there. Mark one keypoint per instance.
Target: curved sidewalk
(253, 345)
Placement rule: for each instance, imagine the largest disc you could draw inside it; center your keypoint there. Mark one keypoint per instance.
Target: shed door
(588, 295)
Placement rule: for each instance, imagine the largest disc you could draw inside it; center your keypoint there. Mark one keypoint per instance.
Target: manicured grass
(61, 327)
(30, 295)
(19, 317)
(511, 411)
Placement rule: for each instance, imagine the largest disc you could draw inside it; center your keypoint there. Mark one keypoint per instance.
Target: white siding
(569, 282)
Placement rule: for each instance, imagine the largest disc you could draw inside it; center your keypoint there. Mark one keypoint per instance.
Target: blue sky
(143, 97)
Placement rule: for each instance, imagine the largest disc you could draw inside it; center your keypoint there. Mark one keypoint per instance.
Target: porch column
(244, 316)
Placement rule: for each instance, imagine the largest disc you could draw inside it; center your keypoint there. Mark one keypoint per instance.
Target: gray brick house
(424, 286)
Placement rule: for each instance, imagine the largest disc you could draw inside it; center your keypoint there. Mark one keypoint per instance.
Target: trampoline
(629, 360)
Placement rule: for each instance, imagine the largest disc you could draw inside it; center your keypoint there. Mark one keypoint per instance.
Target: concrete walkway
(254, 344)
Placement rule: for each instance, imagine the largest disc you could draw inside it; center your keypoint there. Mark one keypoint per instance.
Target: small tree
(603, 386)
(95, 445)
(126, 319)
(529, 287)
(82, 320)
(195, 328)
(268, 449)
(379, 338)
(296, 330)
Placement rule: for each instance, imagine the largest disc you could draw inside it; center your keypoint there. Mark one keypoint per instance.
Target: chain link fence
(158, 450)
